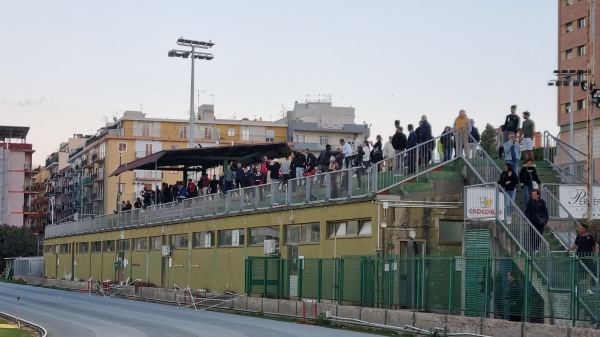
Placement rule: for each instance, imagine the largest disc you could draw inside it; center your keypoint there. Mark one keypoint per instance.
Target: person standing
(311, 159)
(511, 123)
(323, 160)
(512, 151)
(425, 135)
(537, 213)
(377, 155)
(586, 247)
(474, 139)
(528, 176)
(204, 184)
(285, 170)
(500, 143)
(527, 133)
(214, 184)
(347, 151)
(508, 181)
(462, 126)
(388, 154)
(447, 143)
(357, 163)
(354, 143)
(412, 153)
(399, 141)
(514, 298)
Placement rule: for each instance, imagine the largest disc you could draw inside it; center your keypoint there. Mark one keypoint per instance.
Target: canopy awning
(197, 159)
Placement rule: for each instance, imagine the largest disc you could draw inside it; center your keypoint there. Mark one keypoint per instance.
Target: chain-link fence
(512, 288)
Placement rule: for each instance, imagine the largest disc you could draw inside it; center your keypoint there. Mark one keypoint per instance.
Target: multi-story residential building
(573, 54)
(16, 173)
(87, 184)
(314, 124)
(41, 202)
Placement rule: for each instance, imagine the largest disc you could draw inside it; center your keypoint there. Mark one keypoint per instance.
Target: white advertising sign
(574, 198)
(481, 203)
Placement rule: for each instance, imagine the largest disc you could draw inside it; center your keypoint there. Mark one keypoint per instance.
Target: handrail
(572, 169)
(397, 172)
(319, 188)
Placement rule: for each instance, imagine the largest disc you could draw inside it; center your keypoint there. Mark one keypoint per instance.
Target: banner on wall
(481, 203)
(574, 199)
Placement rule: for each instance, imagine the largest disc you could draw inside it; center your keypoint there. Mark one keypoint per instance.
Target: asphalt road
(73, 314)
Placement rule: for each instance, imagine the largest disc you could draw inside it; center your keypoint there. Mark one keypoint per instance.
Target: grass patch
(16, 332)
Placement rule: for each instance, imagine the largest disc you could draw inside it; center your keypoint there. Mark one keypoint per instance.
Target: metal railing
(569, 162)
(408, 164)
(315, 189)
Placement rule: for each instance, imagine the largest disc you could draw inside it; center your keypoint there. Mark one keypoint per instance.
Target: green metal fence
(498, 287)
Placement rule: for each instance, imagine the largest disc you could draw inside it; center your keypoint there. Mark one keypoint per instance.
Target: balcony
(148, 175)
(54, 177)
(86, 181)
(98, 177)
(30, 189)
(52, 161)
(98, 158)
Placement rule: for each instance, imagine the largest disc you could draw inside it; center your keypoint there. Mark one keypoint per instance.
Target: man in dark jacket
(475, 140)
(399, 143)
(537, 213)
(412, 142)
(311, 159)
(425, 136)
(323, 159)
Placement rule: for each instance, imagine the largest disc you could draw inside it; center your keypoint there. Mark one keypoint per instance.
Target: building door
(411, 273)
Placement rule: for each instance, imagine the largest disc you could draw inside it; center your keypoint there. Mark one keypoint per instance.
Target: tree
(16, 241)
(488, 140)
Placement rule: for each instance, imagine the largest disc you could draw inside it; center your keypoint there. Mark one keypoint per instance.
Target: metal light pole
(195, 55)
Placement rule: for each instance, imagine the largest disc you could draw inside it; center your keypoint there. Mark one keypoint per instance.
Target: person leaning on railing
(586, 247)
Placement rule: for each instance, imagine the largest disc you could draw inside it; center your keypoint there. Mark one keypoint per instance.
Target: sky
(66, 67)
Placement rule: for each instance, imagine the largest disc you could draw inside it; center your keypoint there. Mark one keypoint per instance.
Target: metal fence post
(319, 279)
(527, 290)
(451, 286)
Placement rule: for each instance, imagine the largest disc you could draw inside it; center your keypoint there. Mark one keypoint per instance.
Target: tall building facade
(16, 177)
(573, 54)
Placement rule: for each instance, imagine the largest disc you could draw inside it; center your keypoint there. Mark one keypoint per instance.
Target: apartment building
(85, 186)
(316, 123)
(573, 54)
(16, 173)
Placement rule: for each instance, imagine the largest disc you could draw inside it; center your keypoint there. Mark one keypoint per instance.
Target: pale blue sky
(67, 64)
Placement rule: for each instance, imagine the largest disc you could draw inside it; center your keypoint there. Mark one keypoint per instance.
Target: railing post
(451, 286)
(527, 290)
(350, 179)
(327, 185)
(307, 191)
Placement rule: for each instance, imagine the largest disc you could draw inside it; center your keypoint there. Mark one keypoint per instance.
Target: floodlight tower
(195, 55)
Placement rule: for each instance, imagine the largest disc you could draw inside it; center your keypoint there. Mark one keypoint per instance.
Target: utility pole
(590, 108)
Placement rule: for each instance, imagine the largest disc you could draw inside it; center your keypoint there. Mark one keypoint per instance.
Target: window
(451, 232)
(581, 23)
(305, 233)
(568, 2)
(208, 133)
(581, 104)
(84, 247)
(48, 249)
(174, 147)
(179, 240)
(140, 244)
(121, 188)
(124, 245)
(569, 27)
(350, 228)
(569, 54)
(64, 248)
(567, 108)
(155, 243)
(300, 138)
(270, 136)
(245, 134)
(231, 132)
(183, 131)
(109, 246)
(148, 149)
(324, 140)
(231, 238)
(96, 247)
(581, 50)
(260, 234)
(122, 147)
(204, 239)
(146, 127)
